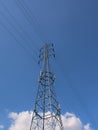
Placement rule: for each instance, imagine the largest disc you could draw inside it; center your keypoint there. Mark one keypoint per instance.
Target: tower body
(46, 115)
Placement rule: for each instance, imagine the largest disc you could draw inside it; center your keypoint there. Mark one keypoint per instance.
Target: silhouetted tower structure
(46, 115)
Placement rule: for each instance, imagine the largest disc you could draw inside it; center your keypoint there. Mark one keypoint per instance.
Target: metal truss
(46, 115)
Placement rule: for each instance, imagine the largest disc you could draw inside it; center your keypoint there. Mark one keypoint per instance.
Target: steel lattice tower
(46, 115)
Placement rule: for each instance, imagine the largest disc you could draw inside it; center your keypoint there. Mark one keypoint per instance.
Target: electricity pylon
(46, 115)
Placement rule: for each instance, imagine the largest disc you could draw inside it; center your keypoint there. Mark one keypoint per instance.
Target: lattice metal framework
(46, 115)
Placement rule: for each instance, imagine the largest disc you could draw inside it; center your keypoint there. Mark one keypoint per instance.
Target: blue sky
(72, 25)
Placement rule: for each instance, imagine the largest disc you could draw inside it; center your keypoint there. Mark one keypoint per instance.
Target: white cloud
(22, 120)
(87, 127)
(71, 122)
(1, 126)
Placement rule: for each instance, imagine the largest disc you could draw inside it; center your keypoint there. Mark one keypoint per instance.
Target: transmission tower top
(46, 115)
(46, 52)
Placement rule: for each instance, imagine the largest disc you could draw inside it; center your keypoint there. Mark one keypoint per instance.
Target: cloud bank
(22, 120)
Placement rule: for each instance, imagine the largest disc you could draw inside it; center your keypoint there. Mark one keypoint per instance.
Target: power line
(15, 21)
(34, 20)
(15, 29)
(29, 18)
(14, 37)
